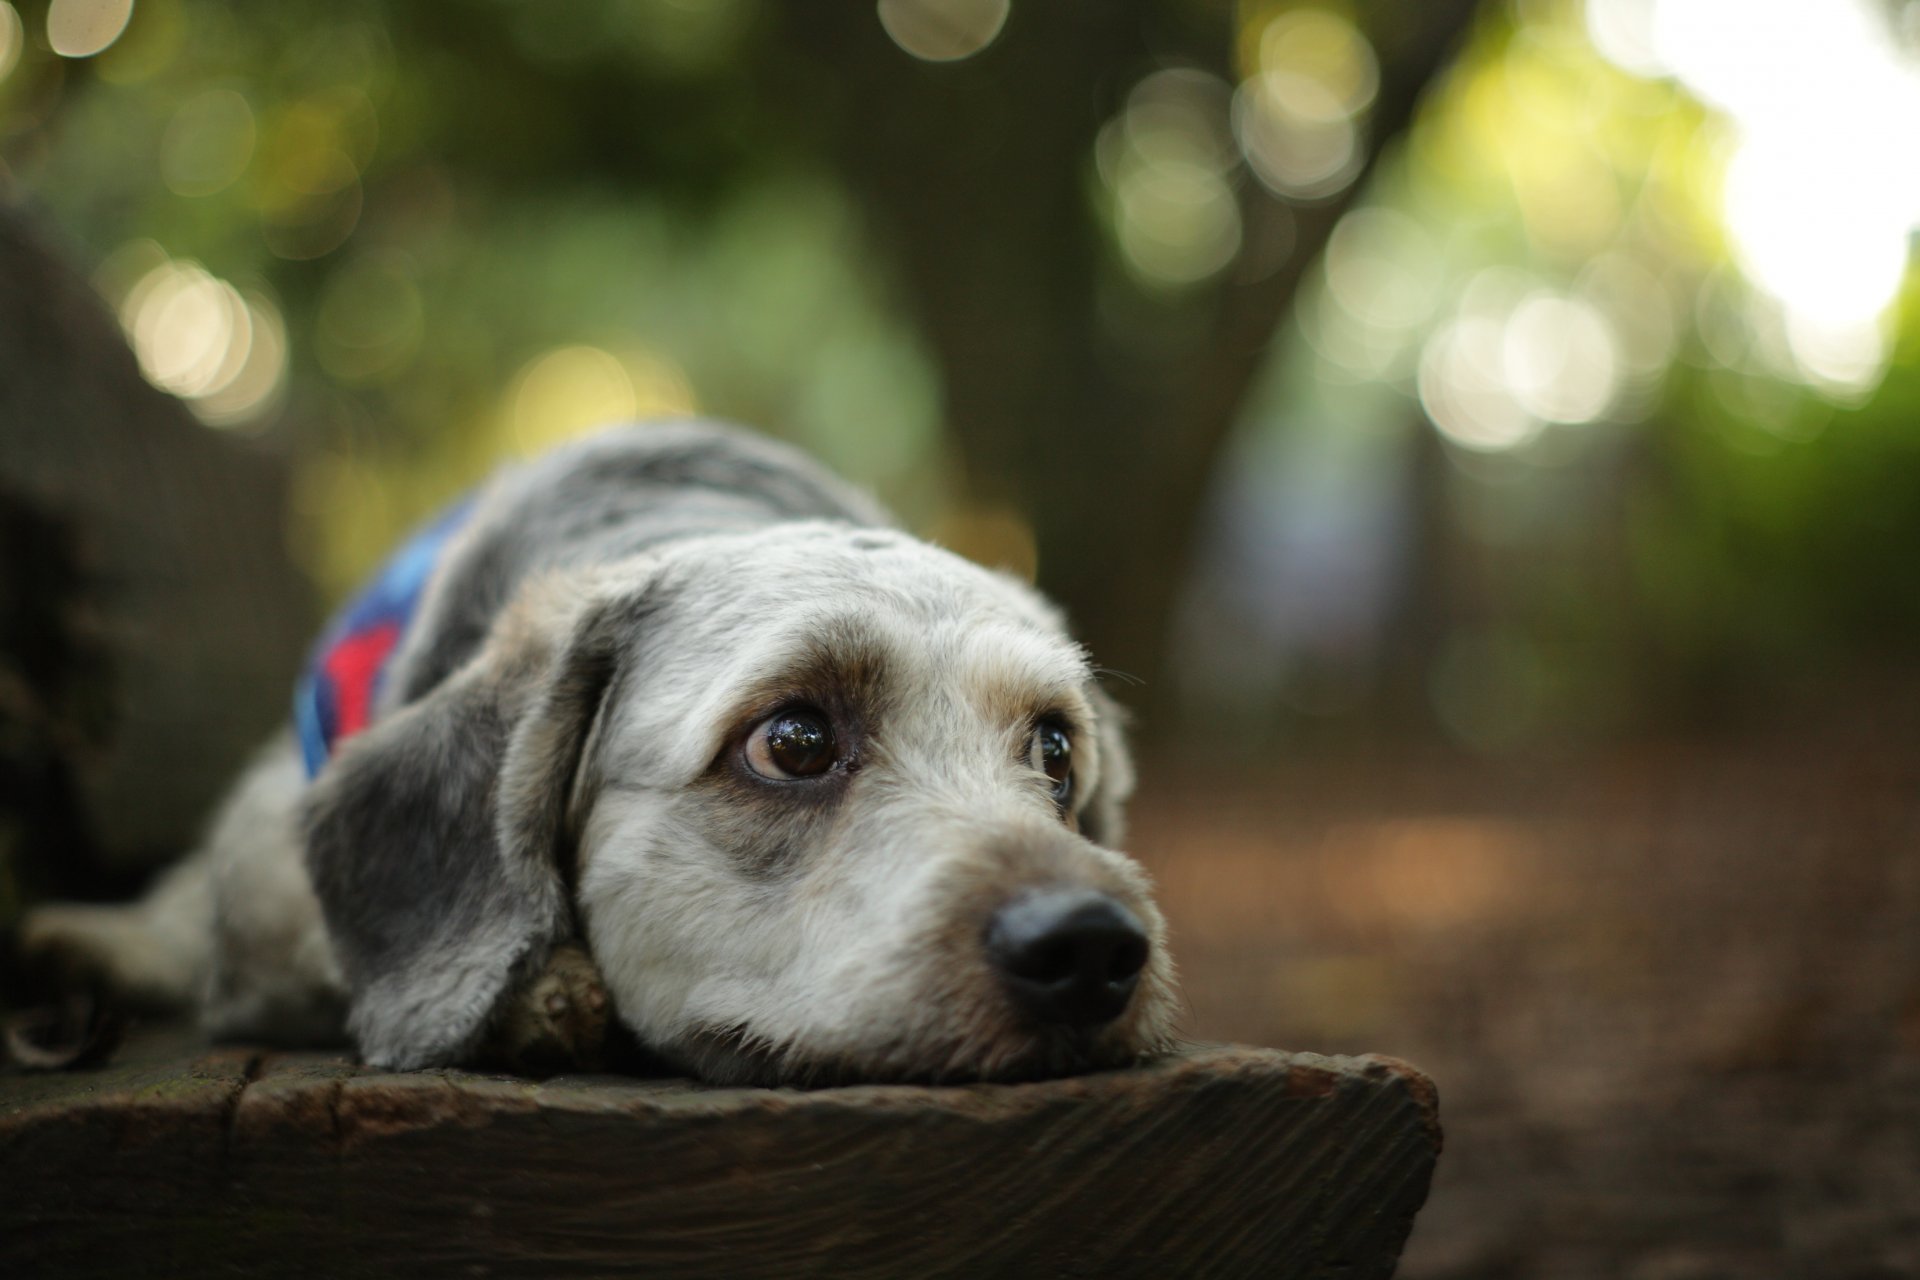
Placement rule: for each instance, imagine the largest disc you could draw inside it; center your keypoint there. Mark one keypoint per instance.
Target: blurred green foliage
(436, 195)
(1729, 526)
(482, 225)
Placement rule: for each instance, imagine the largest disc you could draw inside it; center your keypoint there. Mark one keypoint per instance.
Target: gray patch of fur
(603, 499)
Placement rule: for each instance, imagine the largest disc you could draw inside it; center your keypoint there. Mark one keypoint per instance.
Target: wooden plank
(1221, 1161)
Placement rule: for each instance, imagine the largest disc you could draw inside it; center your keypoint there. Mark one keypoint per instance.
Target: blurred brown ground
(1670, 995)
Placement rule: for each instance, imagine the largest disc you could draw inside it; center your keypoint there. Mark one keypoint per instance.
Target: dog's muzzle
(1068, 957)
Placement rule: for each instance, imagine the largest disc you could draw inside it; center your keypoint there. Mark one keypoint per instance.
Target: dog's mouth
(734, 1055)
(1068, 984)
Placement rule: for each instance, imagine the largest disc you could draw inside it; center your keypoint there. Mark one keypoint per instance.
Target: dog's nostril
(1053, 960)
(1068, 956)
(1129, 957)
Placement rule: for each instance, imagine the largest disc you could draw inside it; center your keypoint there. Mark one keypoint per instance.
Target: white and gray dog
(681, 726)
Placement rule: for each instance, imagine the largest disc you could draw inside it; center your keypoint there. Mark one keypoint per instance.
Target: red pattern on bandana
(353, 665)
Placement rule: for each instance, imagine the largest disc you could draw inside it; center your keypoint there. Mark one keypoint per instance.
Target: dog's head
(827, 803)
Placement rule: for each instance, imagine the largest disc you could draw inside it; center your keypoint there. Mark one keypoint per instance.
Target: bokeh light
(1464, 388)
(1516, 357)
(573, 389)
(198, 337)
(1298, 117)
(943, 30)
(306, 182)
(1622, 31)
(83, 28)
(1844, 358)
(12, 38)
(1167, 159)
(661, 388)
(207, 143)
(1326, 48)
(1817, 214)
(1559, 358)
(1433, 872)
(1382, 269)
(566, 391)
(186, 327)
(1381, 283)
(256, 386)
(1775, 193)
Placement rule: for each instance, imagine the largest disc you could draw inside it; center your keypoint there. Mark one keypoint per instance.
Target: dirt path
(1671, 998)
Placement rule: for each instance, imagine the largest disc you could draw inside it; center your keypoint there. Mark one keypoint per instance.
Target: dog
(670, 733)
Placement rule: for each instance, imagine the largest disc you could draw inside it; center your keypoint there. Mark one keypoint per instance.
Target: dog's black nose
(1069, 956)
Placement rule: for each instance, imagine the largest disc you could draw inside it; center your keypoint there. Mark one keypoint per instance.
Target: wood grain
(1215, 1162)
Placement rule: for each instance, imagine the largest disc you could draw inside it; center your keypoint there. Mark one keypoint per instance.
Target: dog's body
(819, 800)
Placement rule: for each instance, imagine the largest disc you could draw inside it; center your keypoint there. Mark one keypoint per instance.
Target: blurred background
(1483, 439)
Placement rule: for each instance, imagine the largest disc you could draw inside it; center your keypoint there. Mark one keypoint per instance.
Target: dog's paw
(557, 1022)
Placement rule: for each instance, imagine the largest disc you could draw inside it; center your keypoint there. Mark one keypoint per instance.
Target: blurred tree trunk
(977, 177)
(149, 618)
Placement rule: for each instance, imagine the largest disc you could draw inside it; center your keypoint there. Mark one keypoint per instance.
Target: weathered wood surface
(1217, 1162)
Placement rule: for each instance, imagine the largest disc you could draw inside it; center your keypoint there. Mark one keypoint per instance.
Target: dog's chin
(734, 1056)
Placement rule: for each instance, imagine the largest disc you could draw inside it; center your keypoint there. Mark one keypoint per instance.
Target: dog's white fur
(743, 931)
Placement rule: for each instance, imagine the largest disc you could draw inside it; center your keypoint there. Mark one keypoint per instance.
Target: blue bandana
(341, 682)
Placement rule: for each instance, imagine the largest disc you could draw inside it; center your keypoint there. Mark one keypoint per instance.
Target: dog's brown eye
(1052, 754)
(792, 744)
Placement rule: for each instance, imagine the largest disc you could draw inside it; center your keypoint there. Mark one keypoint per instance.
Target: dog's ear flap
(437, 840)
(1103, 819)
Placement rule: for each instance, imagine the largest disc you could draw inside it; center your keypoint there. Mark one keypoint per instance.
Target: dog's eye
(1052, 754)
(797, 743)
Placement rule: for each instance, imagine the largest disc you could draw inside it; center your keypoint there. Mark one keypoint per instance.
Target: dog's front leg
(556, 1022)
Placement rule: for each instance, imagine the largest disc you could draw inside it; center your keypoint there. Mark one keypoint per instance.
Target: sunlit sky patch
(1820, 215)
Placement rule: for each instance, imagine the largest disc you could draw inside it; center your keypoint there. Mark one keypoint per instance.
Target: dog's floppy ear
(437, 839)
(1103, 819)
